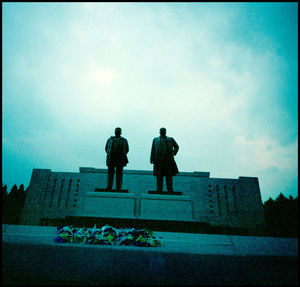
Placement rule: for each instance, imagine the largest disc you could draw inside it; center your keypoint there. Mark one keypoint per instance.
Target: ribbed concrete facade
(218, 201)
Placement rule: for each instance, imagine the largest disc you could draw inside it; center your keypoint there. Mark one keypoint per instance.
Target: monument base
(166, 207)
(111, 190)
(109, 204)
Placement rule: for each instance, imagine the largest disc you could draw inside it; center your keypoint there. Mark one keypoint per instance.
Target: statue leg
(110, 177)
(119, 176)
(159, 183)
(169, 180)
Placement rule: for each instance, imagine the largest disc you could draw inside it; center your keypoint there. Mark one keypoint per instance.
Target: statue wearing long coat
(164, 165)
(122, 158)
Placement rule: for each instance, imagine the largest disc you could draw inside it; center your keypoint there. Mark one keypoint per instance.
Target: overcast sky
(222, 78)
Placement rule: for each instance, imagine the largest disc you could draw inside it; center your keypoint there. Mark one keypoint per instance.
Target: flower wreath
(107, 235)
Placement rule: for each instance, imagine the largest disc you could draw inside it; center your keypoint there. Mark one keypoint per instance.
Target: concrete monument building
(197, 198)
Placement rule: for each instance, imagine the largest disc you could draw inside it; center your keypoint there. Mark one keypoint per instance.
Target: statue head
(118, 131)
(163, 132)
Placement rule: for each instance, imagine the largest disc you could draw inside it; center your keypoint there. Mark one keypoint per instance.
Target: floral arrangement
(107, 235)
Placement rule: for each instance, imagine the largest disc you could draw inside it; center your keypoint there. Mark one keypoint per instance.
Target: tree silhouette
(282, 216)
(4, 202)
(4, 193)
(12, 204)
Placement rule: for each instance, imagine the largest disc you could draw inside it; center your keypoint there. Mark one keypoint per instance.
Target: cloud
(264, 153)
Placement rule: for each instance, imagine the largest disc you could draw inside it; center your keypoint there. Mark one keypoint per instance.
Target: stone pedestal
(112, 190)
(164, 192)
(166, 207)
(109, 204)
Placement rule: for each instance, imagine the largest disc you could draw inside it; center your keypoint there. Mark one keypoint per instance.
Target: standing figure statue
(116, 149)
(162, 156)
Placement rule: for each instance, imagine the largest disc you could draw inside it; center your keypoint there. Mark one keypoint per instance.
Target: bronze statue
(162, 156)
(116, 149)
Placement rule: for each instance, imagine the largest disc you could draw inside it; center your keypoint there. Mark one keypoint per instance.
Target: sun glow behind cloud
(213, 80)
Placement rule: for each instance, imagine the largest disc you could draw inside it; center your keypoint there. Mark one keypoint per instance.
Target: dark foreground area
(31, 257)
